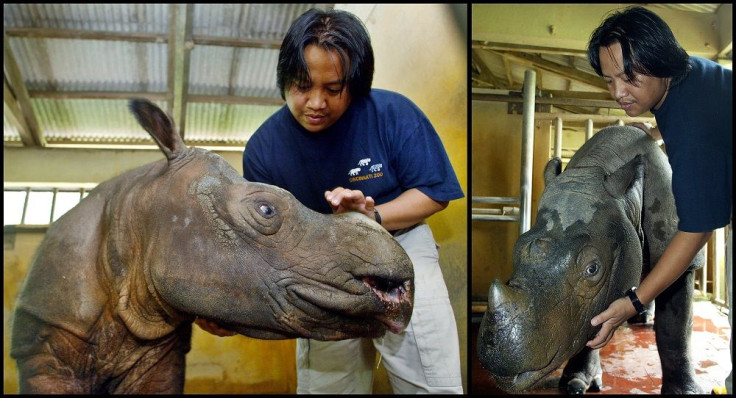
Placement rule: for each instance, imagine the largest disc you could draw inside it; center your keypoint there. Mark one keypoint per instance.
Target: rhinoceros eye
(265, 210)
(590, 263)
(592, 269)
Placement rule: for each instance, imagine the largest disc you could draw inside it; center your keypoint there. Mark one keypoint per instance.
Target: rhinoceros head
(200, 240)
(582, 253)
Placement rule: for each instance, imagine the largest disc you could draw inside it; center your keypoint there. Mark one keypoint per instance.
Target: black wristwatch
(377, 215)
(640, 309)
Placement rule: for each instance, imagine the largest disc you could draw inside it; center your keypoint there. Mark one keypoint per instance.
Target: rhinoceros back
(613, 147)
(65, 285)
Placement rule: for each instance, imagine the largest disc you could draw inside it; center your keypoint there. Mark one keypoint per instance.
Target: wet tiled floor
(630, 361)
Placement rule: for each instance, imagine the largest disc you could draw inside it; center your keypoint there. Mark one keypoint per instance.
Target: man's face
(319, 103)
(636, 97)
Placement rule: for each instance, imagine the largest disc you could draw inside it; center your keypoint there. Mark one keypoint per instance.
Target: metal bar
(53, 205)
(491, 217)
(487, 211)
(569, 117)
(495, 200)
(558, 138)
(588, 129)
(25, 206)
(527, 151)
(548, 101)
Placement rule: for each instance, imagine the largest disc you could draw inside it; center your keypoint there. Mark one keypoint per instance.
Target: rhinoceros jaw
(526, 380)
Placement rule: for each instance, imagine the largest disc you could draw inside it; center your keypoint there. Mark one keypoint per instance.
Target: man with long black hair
(646, 69)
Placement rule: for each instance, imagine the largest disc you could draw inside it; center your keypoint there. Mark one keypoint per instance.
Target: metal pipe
(506, 211)
(558, 138)
(570, 117)
(490, 217)
(495, 200)
(527, 151)
(53, 204)
(588, 129)
(487, 211)
(25, 206)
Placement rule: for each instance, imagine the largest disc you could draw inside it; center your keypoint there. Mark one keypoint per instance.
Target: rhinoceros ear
(552, 169)
(159, 126)
(628, 182)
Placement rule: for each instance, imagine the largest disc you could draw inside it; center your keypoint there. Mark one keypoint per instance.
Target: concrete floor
(630, 361)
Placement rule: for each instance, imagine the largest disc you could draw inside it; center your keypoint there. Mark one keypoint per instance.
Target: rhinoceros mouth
(395, 296)
(525, 380)
(373, 300)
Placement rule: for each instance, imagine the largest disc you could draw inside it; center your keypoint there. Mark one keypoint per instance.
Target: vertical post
(25, 206)
(558, 137)
(588, 129)
(55, 192)
(527, 148)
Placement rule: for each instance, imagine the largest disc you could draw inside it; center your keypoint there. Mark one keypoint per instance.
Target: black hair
(332, 30)
(648, 45)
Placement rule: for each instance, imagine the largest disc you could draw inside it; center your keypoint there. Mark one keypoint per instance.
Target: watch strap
(631, 293)
(377, 215)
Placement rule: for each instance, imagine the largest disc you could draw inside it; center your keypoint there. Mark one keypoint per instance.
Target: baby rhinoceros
(600, 225)
(108, 303)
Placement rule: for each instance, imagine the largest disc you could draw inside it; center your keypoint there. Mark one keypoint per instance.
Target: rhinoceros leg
(160, 370)
(40, 371)
(582, 373)
(673, 326)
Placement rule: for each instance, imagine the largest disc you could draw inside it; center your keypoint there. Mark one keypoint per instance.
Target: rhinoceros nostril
(387, 289)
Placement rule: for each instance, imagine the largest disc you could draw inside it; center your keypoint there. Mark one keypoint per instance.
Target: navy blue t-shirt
(382, 145)
(696, 124)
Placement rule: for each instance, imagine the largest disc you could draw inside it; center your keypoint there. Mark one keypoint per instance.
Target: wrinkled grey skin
(110, 297)
(601, 223)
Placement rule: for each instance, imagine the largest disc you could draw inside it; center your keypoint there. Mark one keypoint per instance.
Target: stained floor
(630, 361)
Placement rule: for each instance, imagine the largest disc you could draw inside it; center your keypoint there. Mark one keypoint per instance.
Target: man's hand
(647, 127)
(343, 199)
(213, 328)
(616, 314)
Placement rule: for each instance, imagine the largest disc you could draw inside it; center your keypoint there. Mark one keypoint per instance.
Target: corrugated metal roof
(249, 72)
(90, 65)
(81, 120)
(252, 21)
(78, 62)
(148, 18)
(225, 124)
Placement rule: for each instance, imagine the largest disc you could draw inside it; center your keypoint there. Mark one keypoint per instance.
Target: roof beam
(562, 70)
(17, 100)
(180, 45)
(487, 45)
(485, 74)
(50, 33)
(151, 96)
(14, 115)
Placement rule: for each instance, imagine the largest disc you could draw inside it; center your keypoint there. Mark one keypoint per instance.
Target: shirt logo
(374, 171)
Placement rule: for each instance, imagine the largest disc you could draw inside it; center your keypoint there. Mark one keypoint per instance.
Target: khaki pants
(425, 358)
